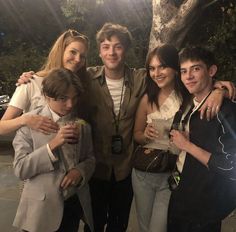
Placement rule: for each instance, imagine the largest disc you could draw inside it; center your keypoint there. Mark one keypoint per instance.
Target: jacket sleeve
(86, 163)
(27, 161)
(224, 160)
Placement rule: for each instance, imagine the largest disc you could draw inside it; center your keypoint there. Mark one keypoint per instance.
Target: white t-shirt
(28, 96)
(115, 89)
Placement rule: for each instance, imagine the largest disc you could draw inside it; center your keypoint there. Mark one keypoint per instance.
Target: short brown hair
(110, 29)
(197, 53)
(58, 82)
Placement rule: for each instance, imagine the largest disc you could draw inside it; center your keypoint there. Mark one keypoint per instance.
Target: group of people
(72, 171)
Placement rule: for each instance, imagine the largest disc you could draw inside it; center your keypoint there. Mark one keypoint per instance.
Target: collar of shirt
(55, 116)
(101, 75)
(198, 104)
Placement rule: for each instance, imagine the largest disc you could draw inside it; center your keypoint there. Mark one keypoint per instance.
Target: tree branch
(172, 27)
(209, 4)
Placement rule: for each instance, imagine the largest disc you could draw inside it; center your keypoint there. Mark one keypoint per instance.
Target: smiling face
(74, 56)
(163, 76)
(112, 53)
(197, 78)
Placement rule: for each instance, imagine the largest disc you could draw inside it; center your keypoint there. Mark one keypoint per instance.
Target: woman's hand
(73, 178)
(212, 104)
(40, 123)
(180, 139)
(25, 77)
(226, 85)
(150, 133)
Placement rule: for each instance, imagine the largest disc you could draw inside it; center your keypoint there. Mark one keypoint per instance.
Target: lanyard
(193, 109)
(117, 118)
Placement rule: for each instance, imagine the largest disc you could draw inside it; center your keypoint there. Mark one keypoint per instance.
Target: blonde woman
(69, 51)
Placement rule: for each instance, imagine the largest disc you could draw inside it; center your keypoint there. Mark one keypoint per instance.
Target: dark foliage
(216, 29)
(29, 27)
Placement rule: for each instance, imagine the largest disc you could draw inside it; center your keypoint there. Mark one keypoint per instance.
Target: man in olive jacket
(114, 93)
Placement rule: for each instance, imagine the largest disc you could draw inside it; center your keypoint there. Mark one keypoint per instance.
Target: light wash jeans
(151, 194)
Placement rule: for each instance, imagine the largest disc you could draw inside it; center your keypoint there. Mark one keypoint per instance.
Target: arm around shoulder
(11, 120)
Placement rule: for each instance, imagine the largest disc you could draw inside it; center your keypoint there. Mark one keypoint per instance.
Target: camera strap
(117, 117)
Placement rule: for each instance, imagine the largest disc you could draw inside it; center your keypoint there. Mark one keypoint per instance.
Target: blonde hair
(55, 56)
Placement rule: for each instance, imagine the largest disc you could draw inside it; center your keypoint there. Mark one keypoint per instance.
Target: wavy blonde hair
(55, 56)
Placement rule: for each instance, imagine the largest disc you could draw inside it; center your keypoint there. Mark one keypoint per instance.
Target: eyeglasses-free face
(63, 105)
(197, 77)
(75, 50)
(112, 53)
(162, 75)
(74, 56)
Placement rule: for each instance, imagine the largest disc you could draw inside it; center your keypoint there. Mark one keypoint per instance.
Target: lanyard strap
(177, 118)
(187, 116)
(117, 118)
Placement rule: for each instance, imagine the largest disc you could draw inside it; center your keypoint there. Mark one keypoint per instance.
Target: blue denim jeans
(151, 194)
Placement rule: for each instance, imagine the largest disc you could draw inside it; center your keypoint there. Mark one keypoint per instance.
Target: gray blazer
(41, 204)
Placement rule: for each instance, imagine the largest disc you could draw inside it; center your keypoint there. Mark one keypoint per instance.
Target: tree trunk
(171, 23)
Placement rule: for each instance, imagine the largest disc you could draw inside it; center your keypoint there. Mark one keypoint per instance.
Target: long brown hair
(168, 56)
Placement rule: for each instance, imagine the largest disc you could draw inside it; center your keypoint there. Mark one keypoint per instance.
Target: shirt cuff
(51, 155)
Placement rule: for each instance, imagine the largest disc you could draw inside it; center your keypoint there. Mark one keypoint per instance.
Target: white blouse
(162, 120)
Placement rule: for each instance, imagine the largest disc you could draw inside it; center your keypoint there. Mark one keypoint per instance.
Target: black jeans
(175, 225)
(72, 214)
(111, 203)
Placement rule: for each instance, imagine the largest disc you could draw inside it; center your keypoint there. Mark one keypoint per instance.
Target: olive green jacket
(100, 106)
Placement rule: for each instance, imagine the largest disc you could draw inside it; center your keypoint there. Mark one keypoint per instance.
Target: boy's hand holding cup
(68, 133)
(72, 130)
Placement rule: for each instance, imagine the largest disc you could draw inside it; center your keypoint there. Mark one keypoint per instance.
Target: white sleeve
(28, 96)
(21, 97)
(51, 155)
